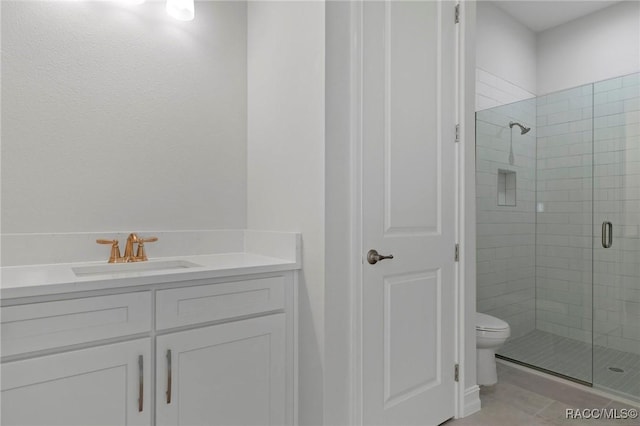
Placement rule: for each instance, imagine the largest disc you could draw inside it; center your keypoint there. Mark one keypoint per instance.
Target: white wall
(117, 118)
(514, 63)
(599, 46)
(505, 48)
(339, 210)
(286, 167)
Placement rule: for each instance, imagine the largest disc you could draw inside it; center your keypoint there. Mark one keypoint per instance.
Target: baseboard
(471, 401)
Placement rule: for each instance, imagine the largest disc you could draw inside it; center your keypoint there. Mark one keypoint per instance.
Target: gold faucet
(132, 239)
(128, 249)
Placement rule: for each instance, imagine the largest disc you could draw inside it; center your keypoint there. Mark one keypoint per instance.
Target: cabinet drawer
(47, 325)
(192, 305)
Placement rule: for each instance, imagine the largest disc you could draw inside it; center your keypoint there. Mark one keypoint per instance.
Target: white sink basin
(128, 268)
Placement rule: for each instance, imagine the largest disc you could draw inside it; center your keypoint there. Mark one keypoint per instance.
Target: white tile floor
(521, 398)
(573, 358)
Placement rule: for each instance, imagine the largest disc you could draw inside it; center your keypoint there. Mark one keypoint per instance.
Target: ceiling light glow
(182, 10)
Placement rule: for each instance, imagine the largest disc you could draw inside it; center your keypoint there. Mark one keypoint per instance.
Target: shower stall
(558, 231)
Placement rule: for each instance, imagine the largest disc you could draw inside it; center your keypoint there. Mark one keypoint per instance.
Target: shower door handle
(607, 234)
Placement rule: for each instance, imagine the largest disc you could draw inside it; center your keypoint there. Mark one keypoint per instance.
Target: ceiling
(544, 14)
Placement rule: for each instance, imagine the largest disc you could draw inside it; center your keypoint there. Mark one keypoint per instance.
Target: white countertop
(39, 280)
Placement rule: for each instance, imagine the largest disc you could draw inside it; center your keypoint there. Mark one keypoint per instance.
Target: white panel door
(95, 386)
(227, 374)
(408, 211)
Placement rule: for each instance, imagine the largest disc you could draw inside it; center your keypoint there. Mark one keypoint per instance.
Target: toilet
(491, 333)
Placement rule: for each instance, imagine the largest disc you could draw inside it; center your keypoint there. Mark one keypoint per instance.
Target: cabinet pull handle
(141, 383)
(169, 376)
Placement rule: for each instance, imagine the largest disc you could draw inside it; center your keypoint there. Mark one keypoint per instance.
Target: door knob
(374, 257)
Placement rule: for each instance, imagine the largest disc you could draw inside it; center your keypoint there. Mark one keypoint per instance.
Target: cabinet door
(227, 374)
(95, 386)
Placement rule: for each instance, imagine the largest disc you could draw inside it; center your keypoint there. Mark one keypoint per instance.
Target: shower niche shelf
(506, 187)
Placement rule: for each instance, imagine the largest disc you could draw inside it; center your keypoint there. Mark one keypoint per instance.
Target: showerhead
(523, 129)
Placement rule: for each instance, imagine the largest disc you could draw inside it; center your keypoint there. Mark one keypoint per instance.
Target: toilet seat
(486, 322)
(487, 335)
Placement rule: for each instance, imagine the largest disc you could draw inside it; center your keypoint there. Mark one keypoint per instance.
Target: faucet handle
(141, 255)
(115, 249)
(101, 241)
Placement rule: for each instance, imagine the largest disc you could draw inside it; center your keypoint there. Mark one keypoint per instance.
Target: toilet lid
(488, 323)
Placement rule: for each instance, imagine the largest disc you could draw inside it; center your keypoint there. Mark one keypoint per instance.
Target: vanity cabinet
(103, 385)
(203, 352)
(231, 373)
(227, 374)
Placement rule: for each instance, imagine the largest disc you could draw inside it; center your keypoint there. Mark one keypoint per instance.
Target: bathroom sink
(127, 268)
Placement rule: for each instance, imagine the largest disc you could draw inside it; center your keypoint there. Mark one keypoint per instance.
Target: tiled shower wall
(564, 213)
(617, 199)
(506, 234)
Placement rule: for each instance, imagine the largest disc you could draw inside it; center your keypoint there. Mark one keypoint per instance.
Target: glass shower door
(616, 235)
(562, 341)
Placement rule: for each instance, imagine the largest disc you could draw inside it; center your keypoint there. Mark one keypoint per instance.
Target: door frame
(467, 399)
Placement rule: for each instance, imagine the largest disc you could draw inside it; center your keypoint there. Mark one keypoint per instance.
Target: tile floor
(526, 399)
(573, 358)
